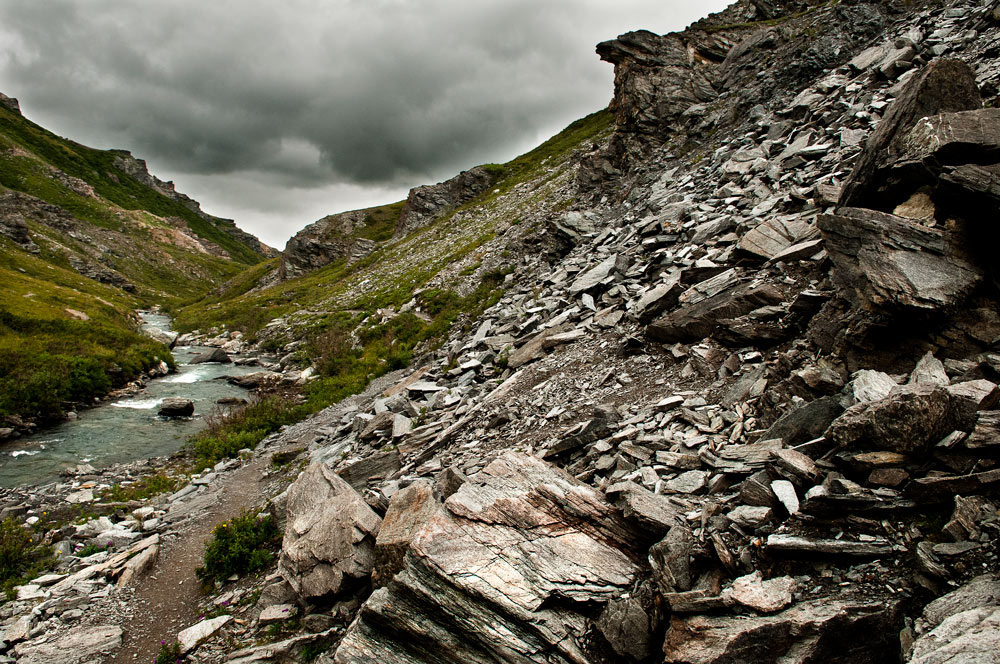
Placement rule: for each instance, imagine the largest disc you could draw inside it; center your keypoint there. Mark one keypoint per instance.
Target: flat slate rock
(78, 645)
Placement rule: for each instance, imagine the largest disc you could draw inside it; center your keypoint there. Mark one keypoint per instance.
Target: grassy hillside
(82, 246)
(96, 168)
(64, 339)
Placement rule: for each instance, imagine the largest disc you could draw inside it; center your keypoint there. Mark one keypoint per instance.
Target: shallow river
(124, 430)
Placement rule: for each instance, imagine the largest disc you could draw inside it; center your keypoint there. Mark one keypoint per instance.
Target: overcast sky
(276, 114)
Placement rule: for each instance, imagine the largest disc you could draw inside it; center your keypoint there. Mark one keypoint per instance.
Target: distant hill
(86, 237)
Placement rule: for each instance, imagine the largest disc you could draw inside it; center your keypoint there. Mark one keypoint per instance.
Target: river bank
(124, 427)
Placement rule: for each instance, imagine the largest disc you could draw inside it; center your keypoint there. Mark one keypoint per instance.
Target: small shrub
(89, 550)
(241, 545)
(226, 433)
(169, 654)
(22, 555)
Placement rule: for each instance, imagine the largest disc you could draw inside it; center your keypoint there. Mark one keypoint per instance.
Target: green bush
(229, 432)
(241, 545)
(22, 554)
(169, 654)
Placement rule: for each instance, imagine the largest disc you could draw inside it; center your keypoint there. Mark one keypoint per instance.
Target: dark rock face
(946, 86)
(890, 262)
(820, 631)
(908, 420)
(10, 103)
(656, 79)
(323, 242)
(426, 203)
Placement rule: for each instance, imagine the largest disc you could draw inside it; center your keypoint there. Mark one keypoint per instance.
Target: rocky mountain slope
(715, 383)
(87, 237)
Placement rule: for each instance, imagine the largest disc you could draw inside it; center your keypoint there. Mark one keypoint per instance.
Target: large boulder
(910, 419)
(945, 86)
(176, 407)
(330, 532)
(508, 571)
(214, 355)
(888, 262)
(77, 646)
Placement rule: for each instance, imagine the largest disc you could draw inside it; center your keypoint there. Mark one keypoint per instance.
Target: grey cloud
(372, 93)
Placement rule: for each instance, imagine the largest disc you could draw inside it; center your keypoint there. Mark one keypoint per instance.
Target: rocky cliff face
(322, 242)
(427, 203)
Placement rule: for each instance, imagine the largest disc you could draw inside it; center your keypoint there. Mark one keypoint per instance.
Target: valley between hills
(710, 376)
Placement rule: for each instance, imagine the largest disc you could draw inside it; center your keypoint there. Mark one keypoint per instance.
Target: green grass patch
(226, 433)
(22, 555)
(46, 365)
(346, 368)
(380, 222)
(142, 489)
(242, 545)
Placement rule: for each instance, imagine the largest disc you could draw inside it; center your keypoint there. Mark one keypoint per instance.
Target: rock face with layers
(824, 630)
(329, 536)
(946, 86)
(325, 241)
(505, 573)
(891, 262)
(426, 203)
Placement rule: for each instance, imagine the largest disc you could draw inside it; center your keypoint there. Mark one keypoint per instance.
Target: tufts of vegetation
(90, 549)
(22, 555)
(142, 489)
(380, 222)
(228, 432)
(242, 545)
(169, 653)
(346, 367)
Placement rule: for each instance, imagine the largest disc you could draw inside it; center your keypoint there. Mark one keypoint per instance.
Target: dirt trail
(166, 600)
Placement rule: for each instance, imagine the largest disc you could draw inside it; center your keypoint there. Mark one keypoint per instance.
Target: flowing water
(127, 429)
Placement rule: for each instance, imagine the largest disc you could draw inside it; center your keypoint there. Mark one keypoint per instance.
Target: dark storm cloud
(309, 93)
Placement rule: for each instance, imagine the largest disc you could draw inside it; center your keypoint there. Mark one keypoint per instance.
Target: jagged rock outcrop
(10, 103)
(137, 170)
(427, 203)
(505, 571)
(330, 533)
(325, 241)
(668, 84)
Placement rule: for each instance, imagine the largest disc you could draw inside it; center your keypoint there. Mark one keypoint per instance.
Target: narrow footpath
(166, 600)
